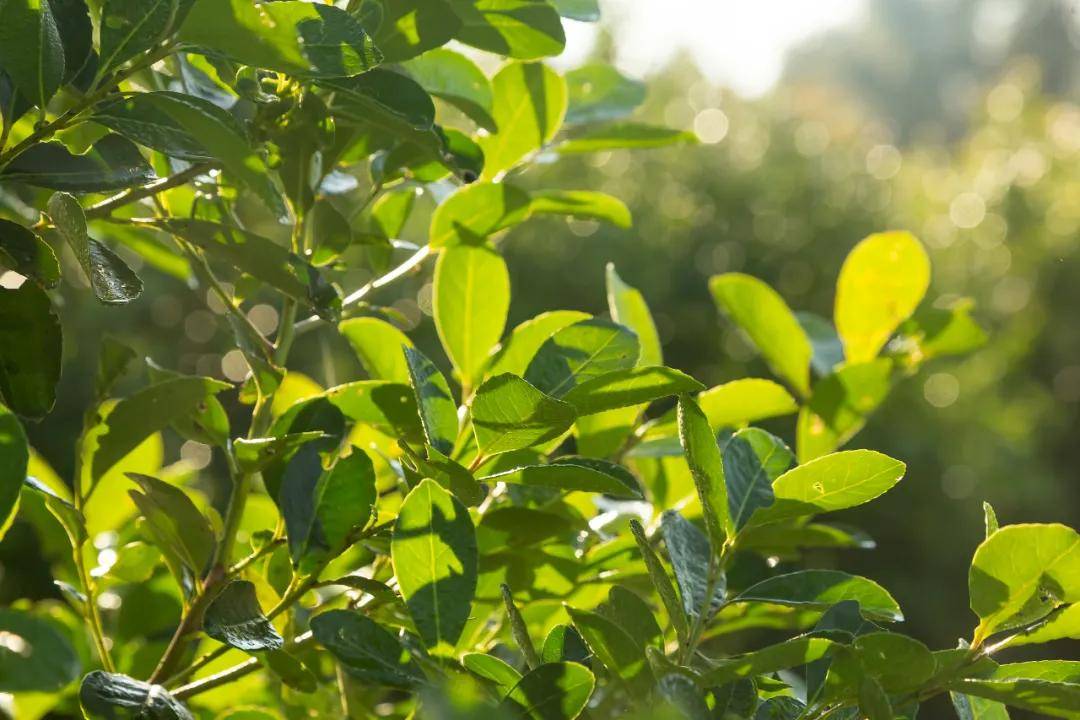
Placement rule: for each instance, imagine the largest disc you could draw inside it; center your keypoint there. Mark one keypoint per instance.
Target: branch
(127, 197)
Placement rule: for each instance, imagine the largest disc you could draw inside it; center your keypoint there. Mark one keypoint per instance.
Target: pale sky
(737, 43)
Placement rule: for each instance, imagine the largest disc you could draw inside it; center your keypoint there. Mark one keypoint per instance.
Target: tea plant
(496, 543)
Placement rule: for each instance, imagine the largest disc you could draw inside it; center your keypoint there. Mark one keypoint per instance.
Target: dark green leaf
(235, 618)
(27, 254)
(261, 258)
(580, 10)
(522, 29)
(35, 656)
(131, 27)
(111, 696)
(387, 93)
(139, 118)
(556, 691)
(76, 35)
(253, 454)
(627, 610)
(30, 349)
(661, 581)
(176, 524)
(435, 561)
(14, 456)
(148, 411)
(114, 359)
(438, 412)
(457, 80)
(828, 350)
(781, 707)
(682, 694)
(113, 163)
(971, 707)
(322, 511)
(113, 282)
(290, 671)
(66, 514)
(582, 351)
(702, 585)
(518, 629)
(615, 649)
(599, 92)
(295, 37)
(821, 589)
(510, 414)
(31, 51)
(562, 644)
(575, 474)
(873, 702)
(753, 459)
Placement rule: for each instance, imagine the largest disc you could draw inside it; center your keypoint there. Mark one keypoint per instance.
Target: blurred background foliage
(954, 119)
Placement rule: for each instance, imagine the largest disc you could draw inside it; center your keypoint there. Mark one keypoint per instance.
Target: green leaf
(295, 37)
(769, 323)
(598, 92)
(510, 414)
(493, 669)
(253, 454)
(261, 258)
(411, 27)
(579, 352)
(27, 254)
(990, 519)
(139, 416)
(66, 514)
(365, 650)
(76, 35)
(840, 406)
(625, 388)
(129, 28)
(30, 49)
(223, 138)
(387, 407)
(785, 540)
(108, 696)
(969, 707)
(515, 353)
(828, 350)
(556, 691)
(114, 359)
(735, 404)
(621, 136)
(682, 694)
(30, 350)
(661, 581)
(691, 557)
(707, 469)
(454, 78)
(290, 671)
(35, 656)
(873, 702)
(520, 29)
(471, 298)
(937, 332)
(113, 282)
(391, 211)
(402, 105)
(235, 618)
(580, 10)
(322, 512)
(753, 459)
(435, 562)
(780, 707)
(898, 663)
(615, 649)
(563, 644)
(113, 163)
(378, 345)
(572, 474)
(208, 424)
(438, 412)
(831, 482)
(475, 212)
(530, 101)
(821, 589)
(627, 610)
(627, 307)
(142, 119)
(586, 204)
(881, 283)
(1063, 623)
(14, 456)
(1022, 572)
(518, 629)
(175, 523)
(782, 656)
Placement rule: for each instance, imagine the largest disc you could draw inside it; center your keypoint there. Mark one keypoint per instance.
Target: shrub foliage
(562, 526)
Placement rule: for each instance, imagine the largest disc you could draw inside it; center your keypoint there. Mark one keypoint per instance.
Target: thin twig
(127, 197)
